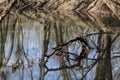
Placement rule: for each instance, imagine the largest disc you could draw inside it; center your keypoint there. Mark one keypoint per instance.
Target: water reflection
(46, 47)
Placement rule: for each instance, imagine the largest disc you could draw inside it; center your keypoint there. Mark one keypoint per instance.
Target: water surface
(26, 42)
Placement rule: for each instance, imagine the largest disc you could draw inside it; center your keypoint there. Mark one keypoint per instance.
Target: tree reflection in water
(66, 46)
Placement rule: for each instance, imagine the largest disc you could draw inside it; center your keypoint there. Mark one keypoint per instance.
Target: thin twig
(65, 67)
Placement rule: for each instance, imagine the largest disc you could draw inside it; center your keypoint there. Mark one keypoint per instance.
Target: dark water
(26, 41)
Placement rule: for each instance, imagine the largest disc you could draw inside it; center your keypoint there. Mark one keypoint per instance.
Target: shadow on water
(56, 46)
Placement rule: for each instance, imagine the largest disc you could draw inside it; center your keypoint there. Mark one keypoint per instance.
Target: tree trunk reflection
(45, 48)
(104, 68)
(59, 40)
